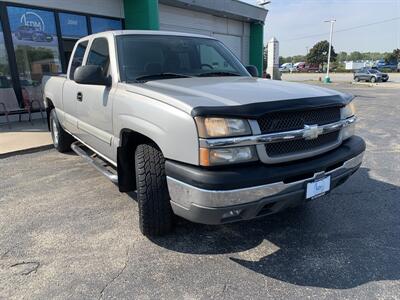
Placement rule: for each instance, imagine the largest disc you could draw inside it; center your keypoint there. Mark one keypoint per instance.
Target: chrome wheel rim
(55, 132)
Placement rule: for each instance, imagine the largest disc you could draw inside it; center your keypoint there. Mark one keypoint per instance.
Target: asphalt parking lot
(66, 232)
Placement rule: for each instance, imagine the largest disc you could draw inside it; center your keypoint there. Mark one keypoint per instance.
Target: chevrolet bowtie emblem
(311, 132)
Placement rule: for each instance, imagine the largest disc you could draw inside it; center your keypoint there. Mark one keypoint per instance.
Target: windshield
(150, 57)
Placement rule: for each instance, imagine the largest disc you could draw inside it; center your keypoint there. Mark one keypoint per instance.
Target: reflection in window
(212, 59)
(104, 24)
(73, 26)
(7, 94)
(36, 48)
(99, 55)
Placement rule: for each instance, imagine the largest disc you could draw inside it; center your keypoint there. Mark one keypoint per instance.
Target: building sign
(103, 24)
(33, 25)
(73, 26)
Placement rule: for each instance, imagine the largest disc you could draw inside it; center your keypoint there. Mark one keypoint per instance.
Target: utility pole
(327, 79)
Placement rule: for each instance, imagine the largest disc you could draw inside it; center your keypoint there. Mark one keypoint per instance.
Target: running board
(95, 161)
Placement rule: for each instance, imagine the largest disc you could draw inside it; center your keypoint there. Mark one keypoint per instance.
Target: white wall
(235, 34)
(109, 8)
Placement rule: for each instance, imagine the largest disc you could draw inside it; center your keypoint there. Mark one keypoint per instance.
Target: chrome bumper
(185, 196)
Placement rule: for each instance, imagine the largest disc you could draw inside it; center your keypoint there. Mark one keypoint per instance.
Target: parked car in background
(371, 75)
(304, 67)
(383, 65)
(32, 33)
(312, 68)
(4, 82)
(296, 66)
(286, 67)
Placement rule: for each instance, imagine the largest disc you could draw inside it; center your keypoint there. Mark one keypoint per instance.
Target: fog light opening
(234, 213)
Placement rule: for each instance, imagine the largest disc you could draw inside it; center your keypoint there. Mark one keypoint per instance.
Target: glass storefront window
(73, 26)
(36, 48)
(7, 94)
(104, 24)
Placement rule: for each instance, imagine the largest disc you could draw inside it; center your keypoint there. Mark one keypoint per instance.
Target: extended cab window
(78, 58)
(99, 55)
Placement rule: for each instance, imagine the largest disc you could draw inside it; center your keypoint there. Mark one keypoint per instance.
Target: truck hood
(189, 94)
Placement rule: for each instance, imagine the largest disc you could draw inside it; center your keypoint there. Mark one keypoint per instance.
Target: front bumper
(215, 196)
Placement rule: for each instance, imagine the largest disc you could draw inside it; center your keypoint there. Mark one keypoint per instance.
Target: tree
(298, 58)
(319, 53)
(355, 55)
(393, 57)
(342, 56)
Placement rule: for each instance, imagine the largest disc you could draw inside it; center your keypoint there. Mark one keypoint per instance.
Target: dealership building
(37, 36)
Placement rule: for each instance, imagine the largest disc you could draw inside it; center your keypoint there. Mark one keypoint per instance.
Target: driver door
(94, 103)
(70, 89)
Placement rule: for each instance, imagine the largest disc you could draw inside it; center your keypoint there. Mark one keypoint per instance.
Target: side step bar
(94, 160)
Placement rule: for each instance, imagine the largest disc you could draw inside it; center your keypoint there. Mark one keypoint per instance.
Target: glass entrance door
(8, 99)
(36, 50)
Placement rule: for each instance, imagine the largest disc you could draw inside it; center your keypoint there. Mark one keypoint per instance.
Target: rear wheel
(155, 212)
(356, 79)
(62, 140)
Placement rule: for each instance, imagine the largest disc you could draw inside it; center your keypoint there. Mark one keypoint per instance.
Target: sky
(292, 22)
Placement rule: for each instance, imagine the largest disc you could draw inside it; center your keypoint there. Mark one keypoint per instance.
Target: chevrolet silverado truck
(179, 119)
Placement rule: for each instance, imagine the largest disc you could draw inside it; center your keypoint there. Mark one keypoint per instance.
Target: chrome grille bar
(273, 137)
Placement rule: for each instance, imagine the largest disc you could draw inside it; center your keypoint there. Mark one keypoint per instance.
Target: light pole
(327, 79)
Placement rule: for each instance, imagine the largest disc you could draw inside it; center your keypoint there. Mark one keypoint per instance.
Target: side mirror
(252, 70)
(92, 75)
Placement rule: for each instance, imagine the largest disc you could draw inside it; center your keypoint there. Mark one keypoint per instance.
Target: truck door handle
(79, 97)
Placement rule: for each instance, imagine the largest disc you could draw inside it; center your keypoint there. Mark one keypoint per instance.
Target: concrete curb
(26, 151)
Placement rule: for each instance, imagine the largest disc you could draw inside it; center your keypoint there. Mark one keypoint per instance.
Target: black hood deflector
(257, 110)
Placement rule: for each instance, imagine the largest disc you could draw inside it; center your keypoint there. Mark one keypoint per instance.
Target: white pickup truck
(178, 118)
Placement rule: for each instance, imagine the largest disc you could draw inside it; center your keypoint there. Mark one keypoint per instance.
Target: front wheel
(373, 79)
(62, 140)
(155, 212)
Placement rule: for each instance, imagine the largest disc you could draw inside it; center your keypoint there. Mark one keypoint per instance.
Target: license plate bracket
(318, 187)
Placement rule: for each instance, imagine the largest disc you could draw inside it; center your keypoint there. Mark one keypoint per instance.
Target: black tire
(62, 140)
(373, 79)
(356, 79)
(155, 212)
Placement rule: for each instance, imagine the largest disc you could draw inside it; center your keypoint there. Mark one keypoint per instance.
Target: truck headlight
(348, 131)
(225, 156)
(222, 127)
(348, 111)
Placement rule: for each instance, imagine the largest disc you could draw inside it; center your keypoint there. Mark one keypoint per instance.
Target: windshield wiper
(160, 76)
(217, 73)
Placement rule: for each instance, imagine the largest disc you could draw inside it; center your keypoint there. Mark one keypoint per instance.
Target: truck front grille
(292, 120)
(299, 146)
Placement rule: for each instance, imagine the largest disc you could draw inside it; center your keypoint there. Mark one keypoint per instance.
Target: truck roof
(144, 32)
